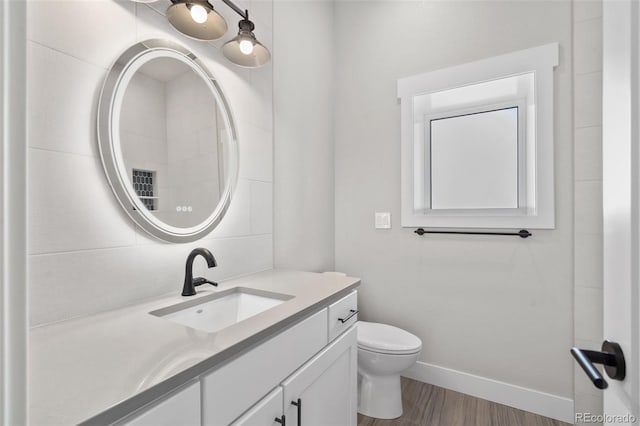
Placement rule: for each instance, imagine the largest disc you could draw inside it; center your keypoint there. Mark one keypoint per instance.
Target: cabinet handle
(298, 404)
(351, 314)
(281, 420)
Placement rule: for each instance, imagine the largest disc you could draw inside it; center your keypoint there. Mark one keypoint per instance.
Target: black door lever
(611, 357)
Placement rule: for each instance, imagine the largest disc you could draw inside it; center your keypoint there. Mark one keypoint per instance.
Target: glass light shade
(179, 15)
(257, 57)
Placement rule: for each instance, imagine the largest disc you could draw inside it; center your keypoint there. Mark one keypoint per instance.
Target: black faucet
(189, 282)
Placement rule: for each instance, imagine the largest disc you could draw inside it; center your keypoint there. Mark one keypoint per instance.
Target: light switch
(383, 220)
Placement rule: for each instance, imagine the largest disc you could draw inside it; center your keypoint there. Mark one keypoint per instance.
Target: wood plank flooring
(428, 405)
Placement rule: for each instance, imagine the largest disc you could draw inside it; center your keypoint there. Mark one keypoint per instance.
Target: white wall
(86, 255)
(495, 307)
(13, 202)
(303, 131)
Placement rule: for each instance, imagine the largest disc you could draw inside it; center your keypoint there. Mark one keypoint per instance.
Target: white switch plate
(383, 220)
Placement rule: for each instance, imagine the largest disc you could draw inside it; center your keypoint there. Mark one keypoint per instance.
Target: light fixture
(196, 19)
(244, 49)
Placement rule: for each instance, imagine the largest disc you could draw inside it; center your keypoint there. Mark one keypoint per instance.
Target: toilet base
(380, 397)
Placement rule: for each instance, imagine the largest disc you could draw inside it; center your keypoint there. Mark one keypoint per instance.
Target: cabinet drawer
(340, 311)
(181, 408)
(265, 412)
(229, 390)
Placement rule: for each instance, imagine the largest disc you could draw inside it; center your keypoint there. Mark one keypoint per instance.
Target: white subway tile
(261, 208)
(586, 9)
(262, 10)
(588, 46)
(588, 403)
(588, 153)
(256, 153)
(239, 256)
(95, 31)
(66, 285)
(588, 207)
(71, 206)
(588, 313)
(588, 100)
(237, 220)
(588, 260)
(62, 101)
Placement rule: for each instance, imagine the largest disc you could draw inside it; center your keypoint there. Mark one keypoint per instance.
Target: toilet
(384, 352)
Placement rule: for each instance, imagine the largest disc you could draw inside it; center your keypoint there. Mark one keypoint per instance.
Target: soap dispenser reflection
(191, 283)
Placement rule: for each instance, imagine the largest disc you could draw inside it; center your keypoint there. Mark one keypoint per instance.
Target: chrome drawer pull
(352, 313)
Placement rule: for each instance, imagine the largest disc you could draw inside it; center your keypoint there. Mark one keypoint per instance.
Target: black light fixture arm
(232, 5)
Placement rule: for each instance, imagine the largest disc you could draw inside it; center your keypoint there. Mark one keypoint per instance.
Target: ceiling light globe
(198, 13)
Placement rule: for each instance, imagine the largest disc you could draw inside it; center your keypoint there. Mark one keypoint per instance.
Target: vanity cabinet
(324, 390)
(230, 390)
(307, 372)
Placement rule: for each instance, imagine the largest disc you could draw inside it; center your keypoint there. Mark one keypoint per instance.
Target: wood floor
(428, 405)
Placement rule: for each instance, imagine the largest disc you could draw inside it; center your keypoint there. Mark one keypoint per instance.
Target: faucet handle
(202, 280)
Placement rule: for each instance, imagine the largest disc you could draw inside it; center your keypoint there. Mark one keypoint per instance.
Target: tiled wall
(86, 255)
(587, 33)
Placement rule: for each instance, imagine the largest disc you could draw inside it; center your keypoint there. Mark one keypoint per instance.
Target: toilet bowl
(384, 352)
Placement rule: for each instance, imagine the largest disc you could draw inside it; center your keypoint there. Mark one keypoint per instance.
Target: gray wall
(496, 307)
(303, 131)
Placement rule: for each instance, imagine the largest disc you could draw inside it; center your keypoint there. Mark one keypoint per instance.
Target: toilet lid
(384, 338)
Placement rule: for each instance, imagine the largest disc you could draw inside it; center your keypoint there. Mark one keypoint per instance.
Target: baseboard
(545, 404)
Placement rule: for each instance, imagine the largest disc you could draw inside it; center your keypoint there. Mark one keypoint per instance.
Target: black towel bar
(523, 233)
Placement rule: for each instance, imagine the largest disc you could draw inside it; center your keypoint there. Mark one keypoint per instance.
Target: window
(477, 143)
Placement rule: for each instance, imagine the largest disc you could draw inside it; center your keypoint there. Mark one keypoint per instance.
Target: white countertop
(107, 364)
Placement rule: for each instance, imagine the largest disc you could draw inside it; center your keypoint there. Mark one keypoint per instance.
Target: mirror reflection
(172, 138)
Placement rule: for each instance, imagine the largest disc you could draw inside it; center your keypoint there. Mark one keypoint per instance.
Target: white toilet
(384, 352)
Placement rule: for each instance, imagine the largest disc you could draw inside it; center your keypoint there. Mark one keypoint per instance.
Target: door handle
(298, 404)
(611, 357)
(282, 420)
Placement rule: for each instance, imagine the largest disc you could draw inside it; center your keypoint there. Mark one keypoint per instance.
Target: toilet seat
(387, 339)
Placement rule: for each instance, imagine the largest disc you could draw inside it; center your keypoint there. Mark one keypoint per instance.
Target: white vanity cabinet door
(228, 391)
(265, 412)
(182, 408)
(326, 386)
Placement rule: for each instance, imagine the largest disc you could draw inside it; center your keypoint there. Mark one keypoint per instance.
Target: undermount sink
(222, 309)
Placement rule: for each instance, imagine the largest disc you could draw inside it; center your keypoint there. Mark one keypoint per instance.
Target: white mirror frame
(539, 212)
(109, 140)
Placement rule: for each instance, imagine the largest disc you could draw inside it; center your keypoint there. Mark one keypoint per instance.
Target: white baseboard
(545, 404)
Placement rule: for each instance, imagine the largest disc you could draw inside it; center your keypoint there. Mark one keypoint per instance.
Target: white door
(323, 392)
(621, 200)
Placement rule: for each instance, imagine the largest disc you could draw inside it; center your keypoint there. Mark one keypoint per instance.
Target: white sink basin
(221, 310)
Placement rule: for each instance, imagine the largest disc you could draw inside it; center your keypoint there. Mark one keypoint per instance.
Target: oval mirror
(167, 141)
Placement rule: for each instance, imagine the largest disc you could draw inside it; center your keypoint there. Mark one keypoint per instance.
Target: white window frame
(536, 204)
